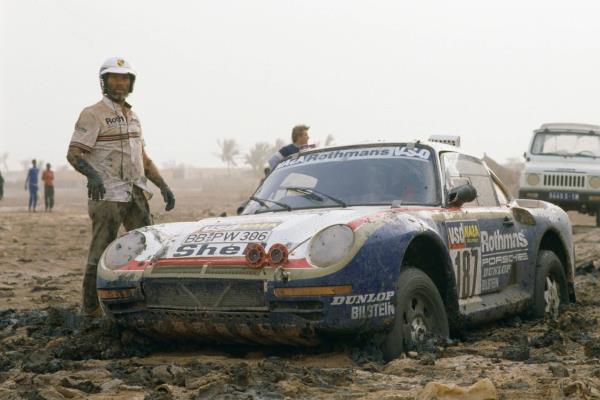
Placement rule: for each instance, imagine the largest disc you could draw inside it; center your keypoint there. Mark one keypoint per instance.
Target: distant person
(299, 142)
(107, 147)
(48, 178)
(1, 186)
(31, 184)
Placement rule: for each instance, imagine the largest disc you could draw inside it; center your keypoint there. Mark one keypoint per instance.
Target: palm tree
(329, 140)
(257, 157)
(229, 150)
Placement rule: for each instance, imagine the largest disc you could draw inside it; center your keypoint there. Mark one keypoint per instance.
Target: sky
(489, 71)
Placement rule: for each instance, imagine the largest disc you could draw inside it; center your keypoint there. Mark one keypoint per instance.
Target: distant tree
(229, 151)
(3, 159)
(329, 140)
(257, 157)
(279, 143)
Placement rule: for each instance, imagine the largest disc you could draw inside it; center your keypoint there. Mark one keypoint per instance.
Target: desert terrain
(47, 351)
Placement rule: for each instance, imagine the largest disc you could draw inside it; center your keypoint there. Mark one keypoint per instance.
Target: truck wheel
(550, 290)
(420, 313)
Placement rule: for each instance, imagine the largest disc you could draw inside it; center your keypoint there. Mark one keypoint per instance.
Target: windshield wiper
(263, 202)
(316, 194)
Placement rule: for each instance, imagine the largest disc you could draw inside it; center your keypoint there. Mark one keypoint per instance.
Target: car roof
(570, 127)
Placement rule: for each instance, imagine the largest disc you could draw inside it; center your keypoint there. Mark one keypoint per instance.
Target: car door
(482, 240)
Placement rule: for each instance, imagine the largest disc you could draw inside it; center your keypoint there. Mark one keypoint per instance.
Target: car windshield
(381, 175)
(566, 144)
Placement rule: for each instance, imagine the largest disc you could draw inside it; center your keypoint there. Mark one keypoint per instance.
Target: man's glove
(95, 187)
(169, 197)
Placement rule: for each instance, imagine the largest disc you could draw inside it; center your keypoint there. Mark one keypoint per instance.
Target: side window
(460, 169)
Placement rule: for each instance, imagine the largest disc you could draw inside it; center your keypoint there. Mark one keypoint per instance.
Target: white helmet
(116, 65)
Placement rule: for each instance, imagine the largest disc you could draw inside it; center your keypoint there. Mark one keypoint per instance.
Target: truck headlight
(330, 245)
(595, 182)
(533, 179)
(124, 249)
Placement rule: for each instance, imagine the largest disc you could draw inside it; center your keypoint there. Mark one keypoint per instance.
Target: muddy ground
(48, 352)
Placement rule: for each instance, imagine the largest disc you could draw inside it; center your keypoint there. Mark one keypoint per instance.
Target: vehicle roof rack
(452, 140)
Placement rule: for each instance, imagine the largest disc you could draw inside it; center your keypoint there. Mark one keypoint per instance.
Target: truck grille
(204, 294)
(564, 180)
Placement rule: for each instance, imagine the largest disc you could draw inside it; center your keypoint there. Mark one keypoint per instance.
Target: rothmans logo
(120, 62)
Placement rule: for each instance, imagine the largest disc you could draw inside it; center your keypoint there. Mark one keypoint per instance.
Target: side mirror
(461, 194)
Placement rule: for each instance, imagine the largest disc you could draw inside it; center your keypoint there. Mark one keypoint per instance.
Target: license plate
(563, 196)
(228, 237)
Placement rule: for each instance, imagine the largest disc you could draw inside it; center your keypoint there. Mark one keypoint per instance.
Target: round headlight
(124, 249)
(533, 179)
(595, 182)
(330, 245)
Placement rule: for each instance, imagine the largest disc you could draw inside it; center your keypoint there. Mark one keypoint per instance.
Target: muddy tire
(420, 314)
(550, 291)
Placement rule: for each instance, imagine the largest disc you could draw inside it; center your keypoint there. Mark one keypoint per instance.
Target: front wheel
(550, 286)
(420, 313)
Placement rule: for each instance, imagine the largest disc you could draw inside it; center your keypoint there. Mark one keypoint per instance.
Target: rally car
(397, 241)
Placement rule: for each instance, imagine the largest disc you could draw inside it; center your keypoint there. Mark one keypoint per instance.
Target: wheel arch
(552, 241)
(427, 252)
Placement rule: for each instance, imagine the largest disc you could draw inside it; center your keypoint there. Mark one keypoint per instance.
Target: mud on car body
(398, 241)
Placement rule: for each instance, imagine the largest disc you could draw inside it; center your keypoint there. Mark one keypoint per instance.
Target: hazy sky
(490, 71)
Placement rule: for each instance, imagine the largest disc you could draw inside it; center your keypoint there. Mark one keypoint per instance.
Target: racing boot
(90, 304)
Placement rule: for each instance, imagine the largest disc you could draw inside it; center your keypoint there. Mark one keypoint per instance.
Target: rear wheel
(420, 313)
(550, 291)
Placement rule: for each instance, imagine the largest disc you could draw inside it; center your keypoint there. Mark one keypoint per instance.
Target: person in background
(1, 186)
(299, 142)
(107, 147)
(31, 184)
(48, 178)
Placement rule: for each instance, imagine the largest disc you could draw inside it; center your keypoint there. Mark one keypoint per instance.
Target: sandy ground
(48, 352)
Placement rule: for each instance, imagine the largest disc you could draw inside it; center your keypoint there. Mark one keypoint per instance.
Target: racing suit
(111, 138)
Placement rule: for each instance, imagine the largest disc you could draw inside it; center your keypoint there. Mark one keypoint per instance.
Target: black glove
(95, 187)
(168, 197)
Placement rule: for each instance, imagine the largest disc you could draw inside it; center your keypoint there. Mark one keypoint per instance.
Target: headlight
(595, 182)
(533, 179)
(124, 249)
(330, 245)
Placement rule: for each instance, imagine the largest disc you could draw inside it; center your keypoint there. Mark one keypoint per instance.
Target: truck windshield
(345, 177)
(566, 144)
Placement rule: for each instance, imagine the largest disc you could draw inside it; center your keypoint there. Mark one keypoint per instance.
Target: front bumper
(222, 327)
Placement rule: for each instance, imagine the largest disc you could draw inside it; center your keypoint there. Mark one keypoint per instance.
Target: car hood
(229, 236)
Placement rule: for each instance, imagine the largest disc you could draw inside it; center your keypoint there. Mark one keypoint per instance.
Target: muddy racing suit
(113, 144)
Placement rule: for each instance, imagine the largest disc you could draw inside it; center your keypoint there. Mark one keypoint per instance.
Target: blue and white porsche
(401, 241)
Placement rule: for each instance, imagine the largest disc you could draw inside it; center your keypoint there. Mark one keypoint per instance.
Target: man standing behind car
(299, 142)
(107, 147)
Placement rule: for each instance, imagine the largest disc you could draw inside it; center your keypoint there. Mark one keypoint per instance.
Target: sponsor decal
(368, 305)
(208, 250)
(483, 261)
(463, 234)
(416, 153)
(120, 62)
(502, 241)
(245, 226)
(114, 120)
(80, 128)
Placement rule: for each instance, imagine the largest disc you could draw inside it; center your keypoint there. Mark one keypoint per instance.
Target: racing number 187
(466, 262)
